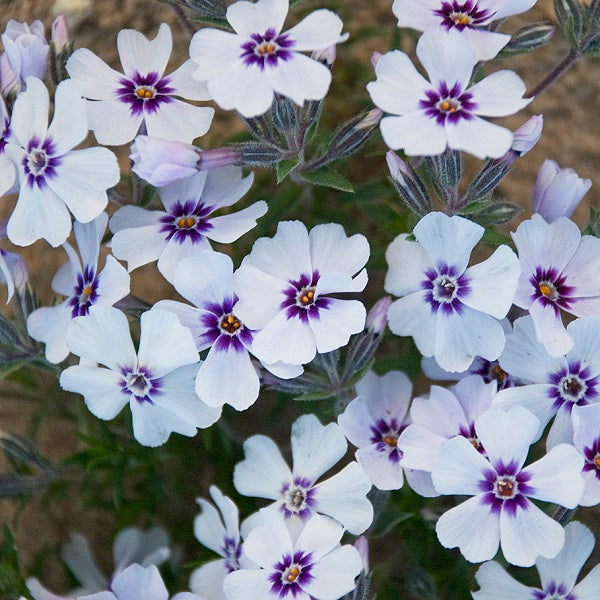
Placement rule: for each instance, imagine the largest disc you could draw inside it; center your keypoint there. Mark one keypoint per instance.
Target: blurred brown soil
(571, 134)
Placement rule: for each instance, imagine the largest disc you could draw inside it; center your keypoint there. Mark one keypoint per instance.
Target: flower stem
(560, 68)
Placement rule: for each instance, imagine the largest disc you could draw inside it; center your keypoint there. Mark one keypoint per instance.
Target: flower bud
(26, 49)
(325, 56)
(408, 184)
(60, 33)
(160, 162)
(8, 81)
(375, 58)
(377, 317)
(528, 135)
(362, 545)
(219, 157)
(557, 192)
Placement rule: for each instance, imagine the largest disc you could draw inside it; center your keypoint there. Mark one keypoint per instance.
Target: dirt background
(570, 136)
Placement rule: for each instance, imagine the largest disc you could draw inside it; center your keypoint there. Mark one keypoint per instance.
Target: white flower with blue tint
(284, 287)
(315, 449)
(586, 438)
(500, 511)
(83, 285)
(244, 70)
(117, 104)
(157, 381)
(313, 565)
(471, 18)
(54, 179)
(8, 171)
(559, 271)
(187, 224)
(450, 310)
(558, 575)
(558, 383)
(430, 116)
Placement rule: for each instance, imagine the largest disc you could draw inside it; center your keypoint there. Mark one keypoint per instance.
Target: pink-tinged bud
(375, 59)
(26, 49)
(9, 84)
(362, 545)
(219, 157)
(557, 192)
(396, 166)
(527, 136)
(160, 162)
(60, 33)
(377, 317)
(325, 55)
(371, 119)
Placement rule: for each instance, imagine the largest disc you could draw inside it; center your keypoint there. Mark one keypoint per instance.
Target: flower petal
(140, 55)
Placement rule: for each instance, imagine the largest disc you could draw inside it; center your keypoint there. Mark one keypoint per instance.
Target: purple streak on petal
(283, 588)
(6, 132)
(461, 102)
(39, 162)
(81, 301)
(280, 49)
(231, 551)
(564, 293)
(591, 455)
(157, 86)
(154, 385)
(474, 16)
(194, 211)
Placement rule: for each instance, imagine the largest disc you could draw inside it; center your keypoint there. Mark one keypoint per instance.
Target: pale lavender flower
(451, 311)
(559, 271)
(586, 438)
(26, 49)
(315, 449)
(243, 70)
(117, 104)
(430, 116)
(557, 192)
(313, 565)
(60, 33)
(500, 511)
(557, 575)
(528, 135)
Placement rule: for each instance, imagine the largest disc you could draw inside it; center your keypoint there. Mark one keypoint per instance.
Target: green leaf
(285, 167)
(311, 396)
(388, 519)
(327, 177)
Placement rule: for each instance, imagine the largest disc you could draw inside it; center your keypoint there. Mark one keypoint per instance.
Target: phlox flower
(157, 381)
(557, 575)
(313, 566)
(118, 104)
(186, 225)
(586, 438)
(54, 179)
(26, 49)
(373, 421)
(227, 375)
(8, 171)
(470, 18)
(13, 269)
(430, 116)
(243, 70)
(83, 285)
(284, 284)
(315, 449)
(559, 270)
(558, 383)
(500, 511)
(437, 418)
(451, 311)
(218, 530)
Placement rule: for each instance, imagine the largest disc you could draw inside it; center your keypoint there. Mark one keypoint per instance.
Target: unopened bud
(26, 49)
(558, 192)
(408, 184)
(528, 135)
(219, 157)
(375, 59)
(325, 55)
(371, 119)
(60, 33)
(377, 317)
(9, 84)
(362, 545)
(396, 165)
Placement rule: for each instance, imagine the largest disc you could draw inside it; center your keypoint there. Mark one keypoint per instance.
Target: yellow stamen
(545, 289)
(87, 290)
(391, 440)
(181, 222)
(293, 575)
(189, 222)
(148, 94)
(597, 461)
(140, 93)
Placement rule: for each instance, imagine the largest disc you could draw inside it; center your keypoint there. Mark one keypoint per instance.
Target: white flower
(315, 449)
(312, 566)
(243, 70)
(54, 179)
(557, 575)
(500, 511)
(283, 287)
(450, 310)
(586, 438)
(157, 381)
(444, 113)
(83, 285)
(186, 226)
(8, 171)
(118, 104)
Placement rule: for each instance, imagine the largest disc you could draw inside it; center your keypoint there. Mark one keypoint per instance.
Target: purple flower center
(550, 288)
(5, 134)
(85, 293)
(297, 498)
(223, 329)
(301, 299)
(445, 289)
(471, 435)
(187, 221)
(144, 93)
(39, 163)
(448, 104)
(505, 488)
(592, 457)
(267, 48)
(384, 434)
(491, 371)
(290, 574)
(139, 384)
(463, 16)
(231, 552)
(554, 591)
(573, 385)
